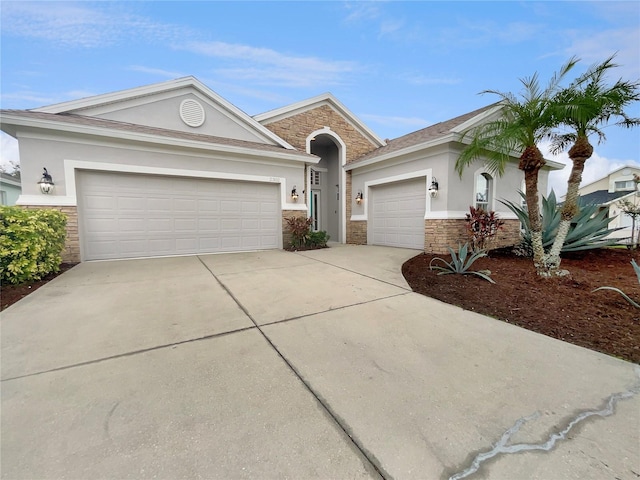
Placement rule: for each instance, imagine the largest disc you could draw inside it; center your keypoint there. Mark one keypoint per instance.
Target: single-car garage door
(397, 214)
(129, 215)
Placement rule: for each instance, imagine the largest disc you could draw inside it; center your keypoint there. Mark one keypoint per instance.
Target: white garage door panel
(397, 214)
(128, 215)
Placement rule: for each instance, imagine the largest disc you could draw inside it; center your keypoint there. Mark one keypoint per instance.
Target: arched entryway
(325, 182)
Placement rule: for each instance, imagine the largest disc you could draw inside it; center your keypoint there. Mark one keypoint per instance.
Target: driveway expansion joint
(408, 289)
(559, 433)
(128, 354)
(369, 460)
(342, 307)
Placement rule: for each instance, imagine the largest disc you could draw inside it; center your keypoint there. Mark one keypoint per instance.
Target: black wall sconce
(46, 183)
(359, 198)
(433, 189)
(294, 194)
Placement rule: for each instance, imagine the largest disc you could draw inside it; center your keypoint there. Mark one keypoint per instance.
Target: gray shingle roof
(424, 135)
(162, 132)
(600, 197)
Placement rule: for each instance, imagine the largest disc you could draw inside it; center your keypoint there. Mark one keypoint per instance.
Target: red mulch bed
(12, 293)
(564, 308)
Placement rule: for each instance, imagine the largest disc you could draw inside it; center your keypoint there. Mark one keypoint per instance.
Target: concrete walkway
(317, 364)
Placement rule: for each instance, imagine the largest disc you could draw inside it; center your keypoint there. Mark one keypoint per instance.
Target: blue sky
(399, 66)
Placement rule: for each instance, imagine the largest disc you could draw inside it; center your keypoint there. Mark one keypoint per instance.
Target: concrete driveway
(317, 364)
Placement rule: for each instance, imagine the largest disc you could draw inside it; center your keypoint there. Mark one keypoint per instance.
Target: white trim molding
(70, 167)
(462, 215)
(342, 160)
(427, 174)
(47, 200)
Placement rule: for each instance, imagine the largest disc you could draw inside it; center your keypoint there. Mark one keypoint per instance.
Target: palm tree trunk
(531, 162)
(579, 154)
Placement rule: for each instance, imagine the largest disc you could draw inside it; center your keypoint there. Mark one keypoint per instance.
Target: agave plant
(636, 268)
(589, 228)
(460, 263)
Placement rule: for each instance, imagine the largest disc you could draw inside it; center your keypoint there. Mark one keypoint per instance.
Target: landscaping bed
(12, 293)
(564, 308)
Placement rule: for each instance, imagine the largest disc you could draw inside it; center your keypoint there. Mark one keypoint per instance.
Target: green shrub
(589, 228)
(460, 264)
(31, 243)
(318, 239)
(302, 236)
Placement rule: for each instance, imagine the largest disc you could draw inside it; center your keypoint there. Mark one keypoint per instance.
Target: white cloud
(267, 66)
(418, 79)
(476, 33)
(29, 99)
(361, 11)
(157, 71)
(595, 168)
(9, 153)
(391, 121)
(599, 45)
(390, 26)
(78, 24)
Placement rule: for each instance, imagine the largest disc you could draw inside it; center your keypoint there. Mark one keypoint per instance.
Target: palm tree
(525, 121)
(586, 107)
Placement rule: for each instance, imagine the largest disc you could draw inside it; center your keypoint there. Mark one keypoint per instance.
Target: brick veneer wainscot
(440, 234)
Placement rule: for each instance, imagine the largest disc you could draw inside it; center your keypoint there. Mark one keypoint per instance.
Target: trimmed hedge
(31, 243)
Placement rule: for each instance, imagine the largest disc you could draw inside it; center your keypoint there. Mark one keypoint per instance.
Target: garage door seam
(360, 448)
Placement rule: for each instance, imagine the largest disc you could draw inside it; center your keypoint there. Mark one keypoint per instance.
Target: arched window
(483, 191)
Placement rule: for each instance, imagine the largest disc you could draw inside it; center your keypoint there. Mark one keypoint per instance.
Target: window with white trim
(483, 191)
(624, 185)
(315, 177)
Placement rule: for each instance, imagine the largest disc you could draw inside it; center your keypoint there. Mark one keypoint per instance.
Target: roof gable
(437, 134)
(433, 135)
(626, 171)
(313, 103)
(65, 123)
(168, 105)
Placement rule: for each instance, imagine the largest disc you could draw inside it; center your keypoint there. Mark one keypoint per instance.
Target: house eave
(13, 121)
(449, 138)
(623, 197)
(402, 152)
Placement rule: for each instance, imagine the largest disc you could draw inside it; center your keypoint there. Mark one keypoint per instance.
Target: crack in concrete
(501, 447)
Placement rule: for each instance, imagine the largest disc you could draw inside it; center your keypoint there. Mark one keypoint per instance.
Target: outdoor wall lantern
(359, 198)
(433, 189)
(46, 183)
(294, 194)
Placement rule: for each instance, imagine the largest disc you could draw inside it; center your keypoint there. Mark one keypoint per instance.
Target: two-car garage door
(397, 214)
(130, 215)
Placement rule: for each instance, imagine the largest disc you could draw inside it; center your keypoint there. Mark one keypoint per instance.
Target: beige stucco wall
(608, 183)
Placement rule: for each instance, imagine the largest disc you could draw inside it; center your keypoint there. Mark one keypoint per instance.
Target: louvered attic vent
(191, 113)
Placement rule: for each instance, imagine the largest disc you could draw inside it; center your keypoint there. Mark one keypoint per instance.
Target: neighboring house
(608, 192)
(173, 168)
(10, 189)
